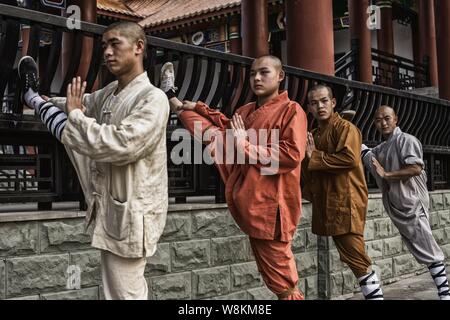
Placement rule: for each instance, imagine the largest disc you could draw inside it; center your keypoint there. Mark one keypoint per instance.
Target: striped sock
(53, 118)
(437, 271)
(33, 99)
(370, 286)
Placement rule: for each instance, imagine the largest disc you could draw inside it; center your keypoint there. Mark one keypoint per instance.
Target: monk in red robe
(260, 166)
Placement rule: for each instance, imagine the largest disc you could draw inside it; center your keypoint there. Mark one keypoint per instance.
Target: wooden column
(309, 32)
(255, 28)
(361, 38)
(443, 47)
(427, 39)
(234, 35)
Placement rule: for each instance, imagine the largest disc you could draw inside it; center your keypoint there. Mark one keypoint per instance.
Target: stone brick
(211, 282)
(335, 262)
(175, 286)
(83, 294)
(2, 280)
(262, 293)
(301, 285)
(374, 248)
(306, 263)
(311, 287)
(21, 239)
(336, 284)
(64, 235)
(298, 241)
(89, 263)
(447, 200)
(437, 202)
(374, 208)
(349, 281)
(393, 246)
(434, 220)
(209, 224)
(101, 292)
(446, 249)
(159, 263)
(244, 276)
(36, 274)
(382, 228)
(242, 295)
(190, 255)
(444, 218)
(35, 297)
(311, 240)
(440, 236)
(229, 250)
(306, 217)
(394, 230)
(369, 231)
(386, 268)
(178, 227)
(404, 264)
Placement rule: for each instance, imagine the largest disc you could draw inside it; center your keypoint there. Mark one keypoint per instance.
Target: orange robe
(266, 207)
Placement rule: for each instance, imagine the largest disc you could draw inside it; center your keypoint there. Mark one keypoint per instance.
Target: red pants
(276, 264)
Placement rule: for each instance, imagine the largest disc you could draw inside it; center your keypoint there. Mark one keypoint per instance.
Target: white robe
(118, 149)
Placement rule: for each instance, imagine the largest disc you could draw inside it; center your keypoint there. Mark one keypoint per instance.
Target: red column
(427, 38)
(360, 36)
(234, 36)
(443, 47)
(88, 14)
(385, 35)
(255, 28)
(309, 32)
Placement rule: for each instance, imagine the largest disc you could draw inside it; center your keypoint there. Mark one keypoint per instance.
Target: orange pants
(352, 251)
(276, 264)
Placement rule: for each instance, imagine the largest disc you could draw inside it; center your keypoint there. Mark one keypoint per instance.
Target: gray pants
(423, 246)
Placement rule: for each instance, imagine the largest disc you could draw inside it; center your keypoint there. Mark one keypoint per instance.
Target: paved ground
(420, 287)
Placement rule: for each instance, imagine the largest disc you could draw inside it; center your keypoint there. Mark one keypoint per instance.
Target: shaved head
(385, 109)
(275, 61)
(385, 120)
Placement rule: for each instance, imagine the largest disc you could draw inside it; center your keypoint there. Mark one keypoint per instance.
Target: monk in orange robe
(262, 191)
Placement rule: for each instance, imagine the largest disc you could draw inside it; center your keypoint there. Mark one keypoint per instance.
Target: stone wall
(384, 245)
(202, 255)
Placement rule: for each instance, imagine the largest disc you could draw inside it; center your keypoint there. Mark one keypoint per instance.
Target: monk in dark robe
(333, 180)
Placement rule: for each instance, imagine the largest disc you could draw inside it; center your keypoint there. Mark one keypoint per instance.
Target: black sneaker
(28, 76)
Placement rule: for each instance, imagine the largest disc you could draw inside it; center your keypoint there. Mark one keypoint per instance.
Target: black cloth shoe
(28, 76)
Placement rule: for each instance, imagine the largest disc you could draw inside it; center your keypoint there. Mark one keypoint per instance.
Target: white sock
(437, 271)
(370, 286)
(33, 99)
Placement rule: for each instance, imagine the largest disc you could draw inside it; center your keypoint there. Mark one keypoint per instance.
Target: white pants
(123, 278)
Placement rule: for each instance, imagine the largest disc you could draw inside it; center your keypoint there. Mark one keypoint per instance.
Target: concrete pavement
(418, 287)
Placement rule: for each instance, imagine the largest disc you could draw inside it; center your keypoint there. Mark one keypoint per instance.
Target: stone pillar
(255, 28)
(310, 43)
(361, 38)
(427, 38)
(234, 36)
(443, 47)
